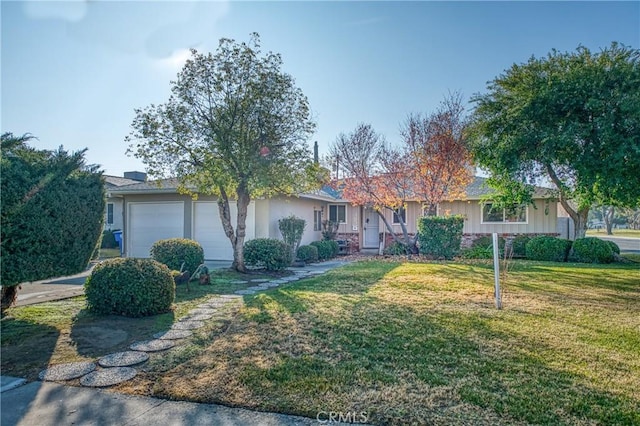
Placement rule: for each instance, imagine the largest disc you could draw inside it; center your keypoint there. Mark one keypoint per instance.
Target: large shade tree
(571, 119)
(235, 127)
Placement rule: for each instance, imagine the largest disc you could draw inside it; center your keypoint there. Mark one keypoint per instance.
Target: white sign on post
(496, 270)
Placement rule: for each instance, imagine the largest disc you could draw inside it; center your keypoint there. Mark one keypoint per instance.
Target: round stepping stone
(255, 288)
(108, 377)
(123, 359)
(245, 292)
(238, 282)
(152, 345)
(173, 335)
(259, 280)
(198, 317)
(187, 325)
(67, 371)
(316, 272)
(228, 296)
(204, 311)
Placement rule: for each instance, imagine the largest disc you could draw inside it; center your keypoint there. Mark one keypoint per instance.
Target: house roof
(116, 181)
(171, 186)
(476, 190)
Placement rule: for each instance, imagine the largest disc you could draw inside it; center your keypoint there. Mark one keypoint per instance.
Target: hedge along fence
(440, 236)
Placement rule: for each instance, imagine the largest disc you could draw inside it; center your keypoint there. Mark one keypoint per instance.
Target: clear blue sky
(73, 72)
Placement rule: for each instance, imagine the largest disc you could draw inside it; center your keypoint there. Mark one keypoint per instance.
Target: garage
(207, 228)
(150, 222)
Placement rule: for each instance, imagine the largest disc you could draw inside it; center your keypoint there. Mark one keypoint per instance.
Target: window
(109, 213)
(400, 214)
(317, 220)
(515, 214)
(338, 213)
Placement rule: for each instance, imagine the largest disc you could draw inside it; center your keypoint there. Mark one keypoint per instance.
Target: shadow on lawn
(95, 335)
(371, 349)
(381, 349)
(18, 361)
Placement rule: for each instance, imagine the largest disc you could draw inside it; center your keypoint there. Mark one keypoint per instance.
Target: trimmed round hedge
(544, 247)
(269, 253)
(130, 287)
(395, 249)
(613, 246)
(327, 249)
(174, 251)
(308, 254)
(592, 250)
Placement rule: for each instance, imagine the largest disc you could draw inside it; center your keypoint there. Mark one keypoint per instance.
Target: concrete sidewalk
(52, 404)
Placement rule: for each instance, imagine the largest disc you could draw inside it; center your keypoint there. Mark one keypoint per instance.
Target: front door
(371, 227)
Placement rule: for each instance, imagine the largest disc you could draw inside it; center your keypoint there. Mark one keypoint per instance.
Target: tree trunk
(9, 295)
(607, 216)
(241, 228)
(579, 218)
(388, 226)
(225, 218)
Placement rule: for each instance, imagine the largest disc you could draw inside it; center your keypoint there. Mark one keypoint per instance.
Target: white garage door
(150, 222)
(207, 229)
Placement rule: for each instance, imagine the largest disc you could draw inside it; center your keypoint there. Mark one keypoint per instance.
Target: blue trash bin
(118, 236)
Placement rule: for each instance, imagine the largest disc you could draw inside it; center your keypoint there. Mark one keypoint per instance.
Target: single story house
(155, 210)
(114, 209)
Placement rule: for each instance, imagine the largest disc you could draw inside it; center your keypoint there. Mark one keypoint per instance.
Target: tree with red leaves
(432, 164)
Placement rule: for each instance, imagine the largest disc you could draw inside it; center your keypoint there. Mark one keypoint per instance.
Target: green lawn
(413, 343)
(34, 336)
(633, 233)
(422, 343)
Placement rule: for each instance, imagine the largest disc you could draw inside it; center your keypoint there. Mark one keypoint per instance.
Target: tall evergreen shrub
(440, 236)
(52, 212)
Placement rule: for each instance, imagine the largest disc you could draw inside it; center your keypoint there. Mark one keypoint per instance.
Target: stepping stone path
(123, 359)
(187, 325)
(69, 371)
(173, 334)
(116, 367)
(155, 345)
(108, 377)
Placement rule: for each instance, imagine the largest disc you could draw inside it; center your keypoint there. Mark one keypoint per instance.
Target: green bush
(308, 254)
(544, 247)
(174, 251)
(395, 249)
(292, 229)
(108, 240)
(613, 246)
(519, 245)
(591, 250)
(52, 212)
(327, 249)
(477, 252)
(130, 287)
(268, 253)
(440, 236)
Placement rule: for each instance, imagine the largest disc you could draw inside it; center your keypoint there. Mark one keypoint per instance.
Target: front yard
(416, 343)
